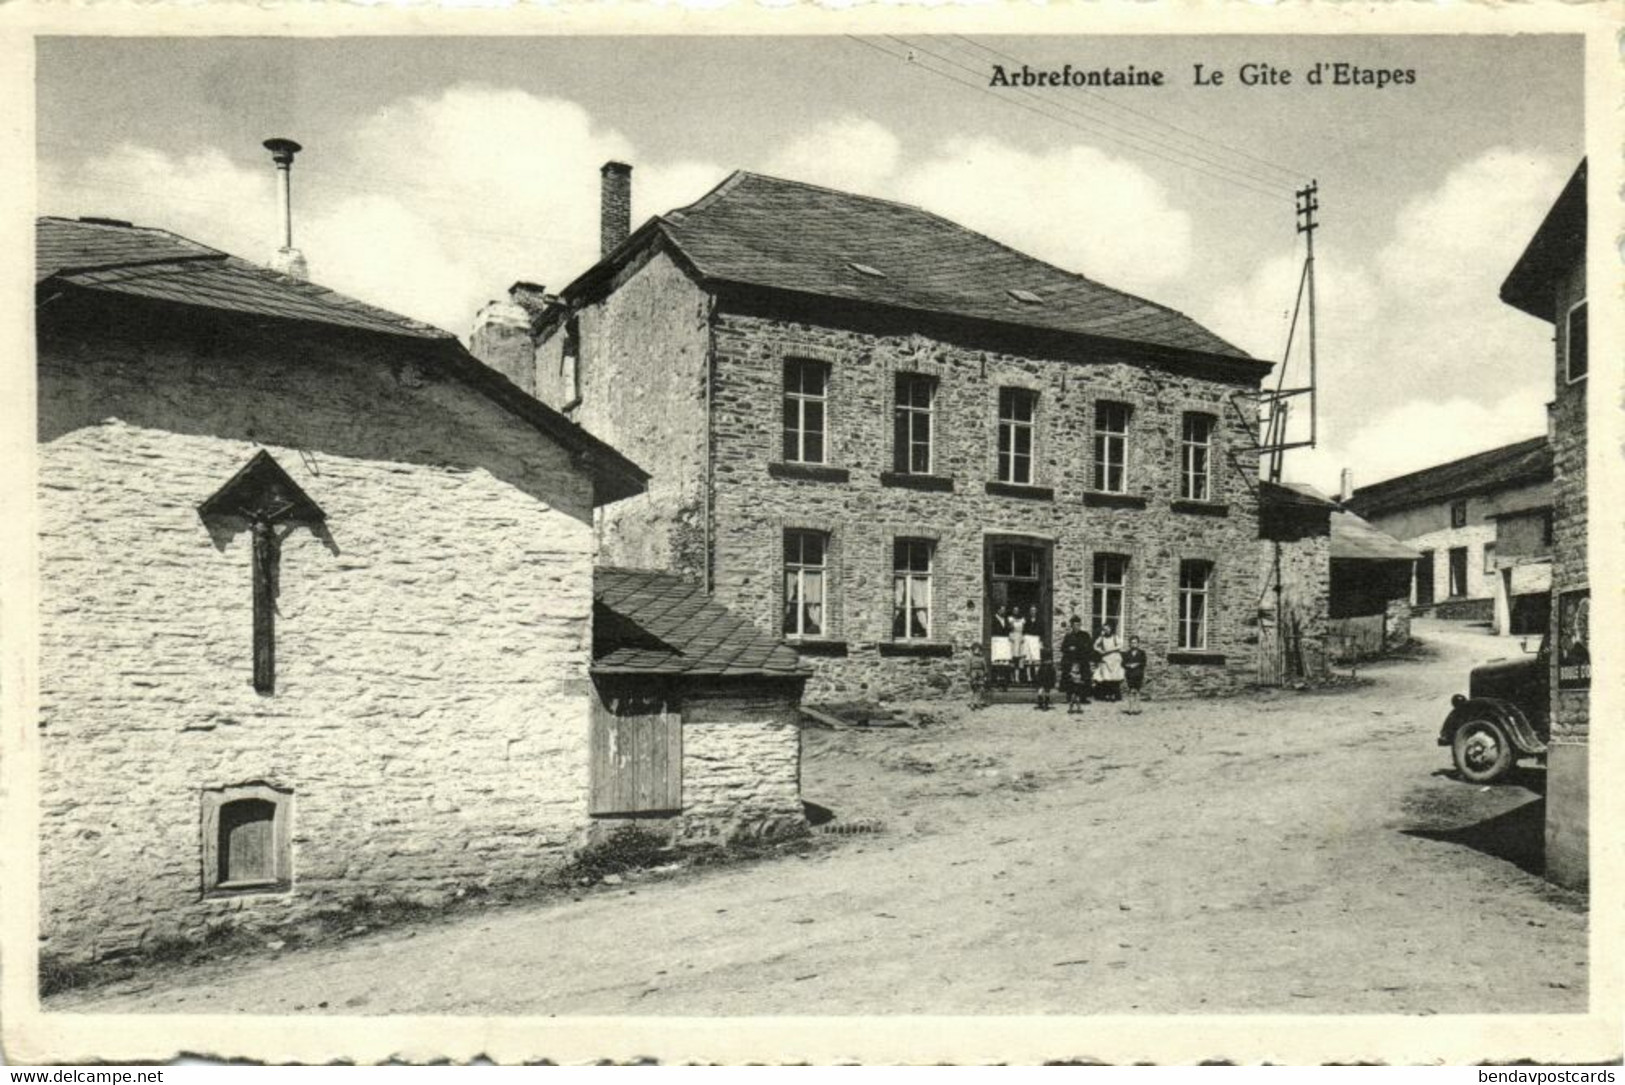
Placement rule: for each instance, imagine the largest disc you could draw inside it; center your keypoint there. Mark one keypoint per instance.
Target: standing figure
(1000, 652)
(1134, 662)
(1046, 682)
(1075, 670)
(1018, 644)
(1109, 672)
(1032, 639)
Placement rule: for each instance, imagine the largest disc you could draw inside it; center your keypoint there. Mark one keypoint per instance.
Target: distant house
(696, 713)
(316, 599)
(1549, 283)
(872, 428)
(1479, 524)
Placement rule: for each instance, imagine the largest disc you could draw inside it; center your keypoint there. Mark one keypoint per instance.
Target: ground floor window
(245, 839)
(911, 588)
(1195, 592)
(1108, 591)
(805, 583)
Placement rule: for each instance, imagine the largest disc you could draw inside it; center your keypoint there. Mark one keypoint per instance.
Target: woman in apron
(1018, 644)
(1001, 652)
(1109, 672)
(1032, 643)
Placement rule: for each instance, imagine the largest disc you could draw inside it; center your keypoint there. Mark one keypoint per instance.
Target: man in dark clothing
(1077, 674)
(1134, 663)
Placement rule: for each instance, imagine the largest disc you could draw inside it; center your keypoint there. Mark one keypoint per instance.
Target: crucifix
(263, 495)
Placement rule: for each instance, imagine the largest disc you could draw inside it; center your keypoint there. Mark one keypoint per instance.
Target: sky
(437, 171)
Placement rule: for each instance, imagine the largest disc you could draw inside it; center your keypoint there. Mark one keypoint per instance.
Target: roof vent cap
(865, 269)
(1026, 297)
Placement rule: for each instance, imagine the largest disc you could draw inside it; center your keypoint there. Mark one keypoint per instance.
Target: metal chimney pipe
(288, 259)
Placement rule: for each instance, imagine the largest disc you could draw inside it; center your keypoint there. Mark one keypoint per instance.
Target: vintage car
(1505, 715)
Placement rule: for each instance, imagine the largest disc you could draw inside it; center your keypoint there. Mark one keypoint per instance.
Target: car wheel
(1483, 751)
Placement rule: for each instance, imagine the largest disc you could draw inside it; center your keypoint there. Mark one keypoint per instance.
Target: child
(1075, 665)
(1134, 662)
(1046, 682)
(1077, 685)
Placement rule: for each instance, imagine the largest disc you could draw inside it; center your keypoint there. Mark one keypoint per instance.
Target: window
(1489, 557)
(246, 839)
(1195, 589)
(1196, 458)
(1111, 578)
(1458, 571)
(1018, 408)
(570, 363)
(805, 553)
(911, 589)
(1458, 514)
(1546, 528)
(914, 423)
(1577, 343)
(1111, 446)
(806, 390)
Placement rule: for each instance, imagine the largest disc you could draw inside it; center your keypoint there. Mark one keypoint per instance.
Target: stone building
(1453, 514)
(316, 599)
(871, 427)
(1549, 283)
(1294, 527)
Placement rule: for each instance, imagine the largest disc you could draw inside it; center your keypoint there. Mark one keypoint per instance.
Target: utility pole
(1308, 204)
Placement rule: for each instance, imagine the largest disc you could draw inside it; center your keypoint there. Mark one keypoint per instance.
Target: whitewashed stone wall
(741, 762)
(431, 706)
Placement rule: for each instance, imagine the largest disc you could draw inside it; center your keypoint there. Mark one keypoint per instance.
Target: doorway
(1018, 574)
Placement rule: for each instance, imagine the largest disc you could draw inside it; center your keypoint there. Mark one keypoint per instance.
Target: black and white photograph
(667, 527)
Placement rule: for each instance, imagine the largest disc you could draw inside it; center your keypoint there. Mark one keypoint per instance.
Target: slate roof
(151, 263)
(1354, 538)
(657, 623)
(108, 257)
(763, 231)
(1514, 465)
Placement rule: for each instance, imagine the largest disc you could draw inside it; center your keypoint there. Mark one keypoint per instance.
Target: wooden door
(636, 755)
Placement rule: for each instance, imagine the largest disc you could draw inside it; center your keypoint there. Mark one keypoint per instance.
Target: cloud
(852, 154)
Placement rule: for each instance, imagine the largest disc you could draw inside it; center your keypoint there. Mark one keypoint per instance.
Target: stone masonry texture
(752, 509)
(432, 641)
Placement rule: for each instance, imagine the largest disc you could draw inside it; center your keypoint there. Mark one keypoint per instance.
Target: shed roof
(761, 231)
(658, 623)
(110, 258)
(1513, 465)
(1354, 538)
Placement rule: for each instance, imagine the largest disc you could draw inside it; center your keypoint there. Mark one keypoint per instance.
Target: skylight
(865, 269)
(1026, 297)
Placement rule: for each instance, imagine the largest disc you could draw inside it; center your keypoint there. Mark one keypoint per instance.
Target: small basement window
(246, 839)
(1026, 297)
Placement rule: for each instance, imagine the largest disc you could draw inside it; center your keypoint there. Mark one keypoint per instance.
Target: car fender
(1507, 714)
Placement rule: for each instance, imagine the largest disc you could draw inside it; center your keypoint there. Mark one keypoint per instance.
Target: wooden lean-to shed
(696, 713)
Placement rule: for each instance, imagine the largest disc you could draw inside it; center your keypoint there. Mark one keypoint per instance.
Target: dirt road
(1294, 852)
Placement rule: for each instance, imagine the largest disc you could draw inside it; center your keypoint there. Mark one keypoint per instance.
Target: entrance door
(1018, 578)
(1424, 579)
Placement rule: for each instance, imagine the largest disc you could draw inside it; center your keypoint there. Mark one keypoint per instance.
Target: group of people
(1100, 667)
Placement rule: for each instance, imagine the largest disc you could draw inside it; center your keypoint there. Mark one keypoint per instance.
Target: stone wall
(431, 705)
(741, 761)
(1480, 585)
(643, 349)
(1568, 786)
(1302, 569)
(863, 514)
(1398, 624)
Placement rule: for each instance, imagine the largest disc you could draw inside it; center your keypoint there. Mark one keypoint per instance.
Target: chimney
(288, 260)
(615, 213)
(1346, 490)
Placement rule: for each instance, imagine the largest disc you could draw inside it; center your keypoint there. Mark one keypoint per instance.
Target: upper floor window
(1196, 457)
(1110, 582)
(805, 583)
(914, 424)
(1546, 528)
(1458, 514)
(570, 363)
(911, 588)
(1577, 343)
(1018, 413)
(1489, 558)
(1195, 591)
(806, 395)
(1111, 446)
